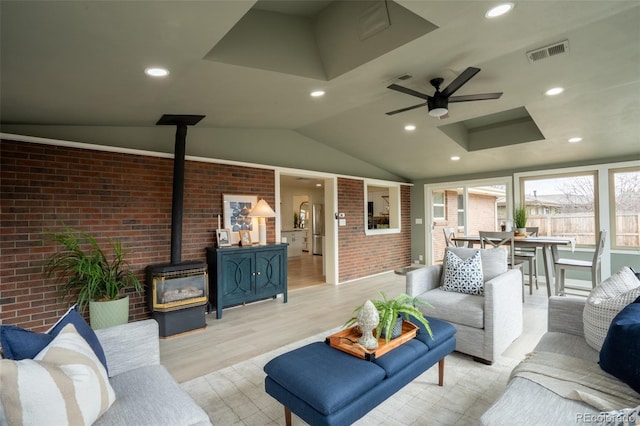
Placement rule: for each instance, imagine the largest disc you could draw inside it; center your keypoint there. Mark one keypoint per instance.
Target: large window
(563, 205)
(466, 207)
(624, 192)
(382, 208)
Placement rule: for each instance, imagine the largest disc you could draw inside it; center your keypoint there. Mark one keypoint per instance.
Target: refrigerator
(317, 228)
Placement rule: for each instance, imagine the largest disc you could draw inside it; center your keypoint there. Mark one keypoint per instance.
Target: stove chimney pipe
(177, 206)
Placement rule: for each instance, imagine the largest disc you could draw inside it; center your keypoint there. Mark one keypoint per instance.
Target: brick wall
(111, 196)
(362, 255)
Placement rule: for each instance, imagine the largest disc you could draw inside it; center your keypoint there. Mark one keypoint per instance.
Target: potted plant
(520, 220)
(88, 276)
(390, 310)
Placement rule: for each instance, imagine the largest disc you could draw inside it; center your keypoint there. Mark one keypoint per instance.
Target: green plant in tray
(391, 309)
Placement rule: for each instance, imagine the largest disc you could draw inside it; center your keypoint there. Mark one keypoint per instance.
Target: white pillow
(64, 384)
(463, 275)
(604, 303)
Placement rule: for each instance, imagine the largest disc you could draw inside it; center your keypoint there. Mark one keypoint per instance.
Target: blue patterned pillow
(463, 276)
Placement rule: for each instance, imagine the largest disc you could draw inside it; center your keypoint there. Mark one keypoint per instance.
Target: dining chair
(495, 239)
(449, 233)
(593, 266)
(528, 255)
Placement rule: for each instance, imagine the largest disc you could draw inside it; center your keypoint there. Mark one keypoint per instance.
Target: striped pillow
(64, 384)
(604, 303)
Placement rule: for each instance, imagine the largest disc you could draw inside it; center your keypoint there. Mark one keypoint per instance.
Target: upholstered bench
(325, 386)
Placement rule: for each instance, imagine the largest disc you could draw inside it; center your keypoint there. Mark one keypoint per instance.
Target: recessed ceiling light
(455, 158)
(554, 91)
(574, 140)
(410, 127)
(318, 185)
(156, 72)
(499, 10)
(317, 93)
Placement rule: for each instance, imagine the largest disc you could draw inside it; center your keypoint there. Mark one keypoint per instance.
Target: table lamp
(262, 210)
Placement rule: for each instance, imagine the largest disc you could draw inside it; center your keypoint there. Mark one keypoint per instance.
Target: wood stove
(177, 292)
(178, 296)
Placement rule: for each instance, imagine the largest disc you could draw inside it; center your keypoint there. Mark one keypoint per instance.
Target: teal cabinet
(245, 274)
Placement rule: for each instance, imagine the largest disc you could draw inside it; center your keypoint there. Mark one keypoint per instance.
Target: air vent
(548, 51)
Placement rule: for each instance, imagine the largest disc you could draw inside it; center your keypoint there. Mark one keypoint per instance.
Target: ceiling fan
(438, 104)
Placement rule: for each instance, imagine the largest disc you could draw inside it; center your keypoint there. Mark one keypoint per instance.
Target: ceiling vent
(548, 51)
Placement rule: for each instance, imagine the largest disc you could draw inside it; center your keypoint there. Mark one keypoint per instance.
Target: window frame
(395, 218)
(563, 173)
(612, 207)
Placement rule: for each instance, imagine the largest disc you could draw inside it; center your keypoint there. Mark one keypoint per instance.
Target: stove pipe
(177, 205)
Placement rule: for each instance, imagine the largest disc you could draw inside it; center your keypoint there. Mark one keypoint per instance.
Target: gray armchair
(486, 325)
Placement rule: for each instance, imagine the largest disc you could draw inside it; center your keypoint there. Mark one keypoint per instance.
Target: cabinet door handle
(259, 273)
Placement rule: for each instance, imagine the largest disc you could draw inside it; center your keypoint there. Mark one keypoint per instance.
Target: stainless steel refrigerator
(317, 228)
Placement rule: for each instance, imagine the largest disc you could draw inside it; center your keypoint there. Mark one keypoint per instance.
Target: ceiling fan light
(438, 112)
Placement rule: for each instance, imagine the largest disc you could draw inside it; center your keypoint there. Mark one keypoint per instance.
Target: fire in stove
(177, 289)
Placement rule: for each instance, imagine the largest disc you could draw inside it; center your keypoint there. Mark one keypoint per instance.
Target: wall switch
(342, 222)
(419, 221)
(420, 258)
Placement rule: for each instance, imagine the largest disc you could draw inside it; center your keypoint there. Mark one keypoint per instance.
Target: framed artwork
(235, 209)
(245, 238)
(223, 237)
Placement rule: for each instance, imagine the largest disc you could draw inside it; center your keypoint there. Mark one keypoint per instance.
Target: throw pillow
(620, 353)
(18, 343)
(494, 261)
(64, 384)
(604, 303)
(463, 275)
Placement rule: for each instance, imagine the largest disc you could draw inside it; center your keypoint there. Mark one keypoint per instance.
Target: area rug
(235, 395)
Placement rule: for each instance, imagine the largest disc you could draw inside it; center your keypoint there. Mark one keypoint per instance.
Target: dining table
(549, 246)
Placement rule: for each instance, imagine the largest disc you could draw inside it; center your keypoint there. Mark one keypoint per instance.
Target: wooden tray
(347, 341)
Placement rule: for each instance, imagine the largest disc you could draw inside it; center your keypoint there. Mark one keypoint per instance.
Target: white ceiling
(78, 65)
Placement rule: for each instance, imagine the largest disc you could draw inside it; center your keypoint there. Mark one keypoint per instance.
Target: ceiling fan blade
(406, 109)
(460, 80)
(479, 97)
(408, 91)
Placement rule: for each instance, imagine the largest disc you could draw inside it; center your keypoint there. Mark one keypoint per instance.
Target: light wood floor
(247, 331)
(305, 271)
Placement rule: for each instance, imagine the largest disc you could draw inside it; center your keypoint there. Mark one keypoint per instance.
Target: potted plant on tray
(90, 277)
(390, 310)
(520, 220)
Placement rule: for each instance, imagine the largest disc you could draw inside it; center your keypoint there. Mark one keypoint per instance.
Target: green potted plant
(389, 310)
(520, 220)
(87, 275)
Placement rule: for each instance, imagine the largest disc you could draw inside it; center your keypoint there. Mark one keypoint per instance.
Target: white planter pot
(108, 314)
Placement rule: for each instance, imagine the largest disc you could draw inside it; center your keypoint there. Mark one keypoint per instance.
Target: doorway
(306, 206)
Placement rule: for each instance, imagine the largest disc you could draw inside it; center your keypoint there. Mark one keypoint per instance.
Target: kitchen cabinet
(245, 274)
(296, 240)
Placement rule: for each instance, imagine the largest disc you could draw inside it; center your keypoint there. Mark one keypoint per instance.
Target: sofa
(146, 394)
(144, 391)
(526, 402)
(486, 324)
(325, 386)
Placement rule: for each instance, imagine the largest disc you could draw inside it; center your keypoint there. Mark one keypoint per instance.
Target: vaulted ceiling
(73, 70)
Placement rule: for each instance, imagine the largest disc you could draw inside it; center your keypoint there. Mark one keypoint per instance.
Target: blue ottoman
(325, 386)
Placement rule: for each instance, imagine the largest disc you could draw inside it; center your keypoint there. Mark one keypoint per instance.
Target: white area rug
(236, 396)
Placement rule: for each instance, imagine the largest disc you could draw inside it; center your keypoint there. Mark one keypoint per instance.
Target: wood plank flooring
(247, 331)
(305, 271)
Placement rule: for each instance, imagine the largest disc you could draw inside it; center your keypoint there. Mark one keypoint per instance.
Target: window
(460, 210)
(563, 205)
(382, 208)
(624, 194)
(439, 212)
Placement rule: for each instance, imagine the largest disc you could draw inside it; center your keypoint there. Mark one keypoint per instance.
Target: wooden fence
(581, 226)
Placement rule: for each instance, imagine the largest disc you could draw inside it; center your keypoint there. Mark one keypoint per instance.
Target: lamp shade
(262, 209)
